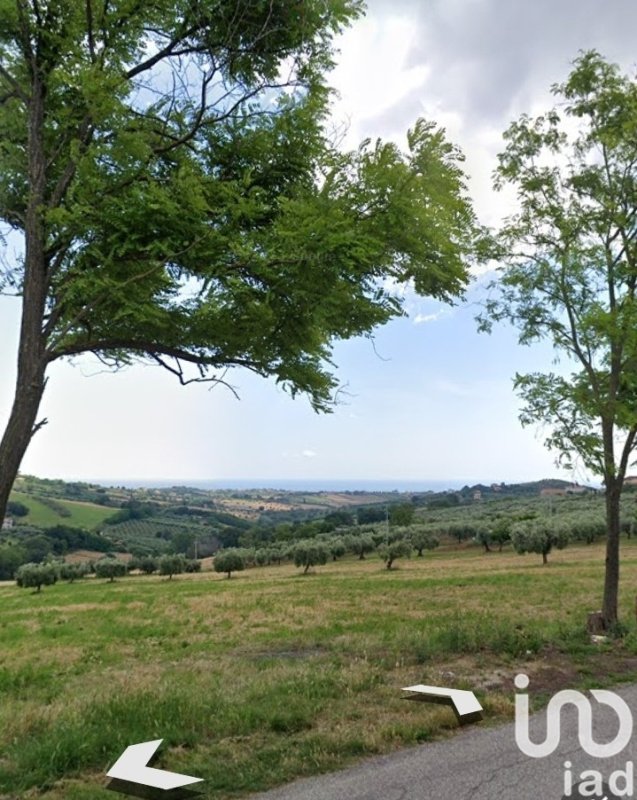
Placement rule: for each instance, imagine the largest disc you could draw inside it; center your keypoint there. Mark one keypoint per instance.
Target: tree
(401, 514)
(167, 169)
(145, 564)
(390, 551)
(308, 553)
(110, 568)
(569, 276)
(171, 565)
(360, 544)
(538, 536)
(421, 539)
(17, 509)
(11, 557)
(72, 572)
(229, 561)
(36, 575)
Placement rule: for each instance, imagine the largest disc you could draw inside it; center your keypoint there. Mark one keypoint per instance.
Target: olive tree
(110, 568)
(36, 575)
(171, 564)
(309, 553)
(229, 561)
(569, 276)
(539, 536)
(397, 548)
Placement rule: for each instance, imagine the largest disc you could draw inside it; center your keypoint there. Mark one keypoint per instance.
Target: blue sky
(430, 398)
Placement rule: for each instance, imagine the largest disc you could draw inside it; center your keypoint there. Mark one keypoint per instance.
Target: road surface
(480, 763)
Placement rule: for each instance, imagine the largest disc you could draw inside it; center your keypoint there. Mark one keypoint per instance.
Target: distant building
(477, 495)
(550, 492)
(577, 489)
(630, 480)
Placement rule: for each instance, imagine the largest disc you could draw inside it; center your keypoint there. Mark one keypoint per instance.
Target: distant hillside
(45, 512)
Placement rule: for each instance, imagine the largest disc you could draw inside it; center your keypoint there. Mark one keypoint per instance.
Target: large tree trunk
(18, 433)
(32, 359)
(611, 578)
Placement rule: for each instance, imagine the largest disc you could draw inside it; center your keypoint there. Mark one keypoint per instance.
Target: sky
(429, 398)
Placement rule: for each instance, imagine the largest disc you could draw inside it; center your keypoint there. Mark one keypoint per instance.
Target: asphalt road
(479, 763)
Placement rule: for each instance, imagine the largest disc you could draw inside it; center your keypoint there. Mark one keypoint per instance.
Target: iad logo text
(620, 781)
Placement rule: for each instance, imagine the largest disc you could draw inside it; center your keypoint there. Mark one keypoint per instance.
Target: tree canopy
(168, 168)
(569, 275)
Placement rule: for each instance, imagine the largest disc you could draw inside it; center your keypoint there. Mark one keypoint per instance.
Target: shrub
(192, 565)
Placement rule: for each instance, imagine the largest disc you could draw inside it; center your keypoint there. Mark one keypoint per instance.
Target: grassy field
(272, 675)
(80, 515)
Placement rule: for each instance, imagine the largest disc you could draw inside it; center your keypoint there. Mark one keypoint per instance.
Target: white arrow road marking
(465, 703)
(131, 766)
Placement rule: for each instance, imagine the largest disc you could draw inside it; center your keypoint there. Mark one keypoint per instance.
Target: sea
(296, 484)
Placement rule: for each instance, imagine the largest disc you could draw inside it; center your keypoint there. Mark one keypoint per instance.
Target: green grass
(80, 515)
(257, 680)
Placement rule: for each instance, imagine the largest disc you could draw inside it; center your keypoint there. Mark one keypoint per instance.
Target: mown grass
(80, 515)
(273, 675)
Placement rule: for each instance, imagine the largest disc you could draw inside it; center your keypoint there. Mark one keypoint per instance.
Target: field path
(479, 763)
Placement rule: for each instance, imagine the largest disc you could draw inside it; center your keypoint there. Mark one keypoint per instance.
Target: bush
(110, 568)
(193, 565)
(229, 561)
(36, 575)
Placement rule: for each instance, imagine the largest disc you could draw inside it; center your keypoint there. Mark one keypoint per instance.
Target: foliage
(11, 557)
(308, 553)
(390, 551)
(539, 536)
(171, 564)
(570, 276)
(401, 514)
(372, 513)
(360, 543)
(110, 568)
(145, 564)
(422, 539)
(229, 561)
(36, 575)
(17, 509)
(180, 201)
(72, 572)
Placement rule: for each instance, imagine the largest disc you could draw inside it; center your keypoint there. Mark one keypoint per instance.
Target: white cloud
(421, 319)
(308, 454)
